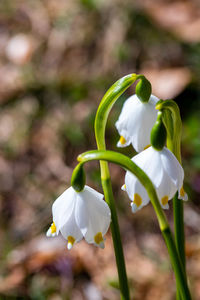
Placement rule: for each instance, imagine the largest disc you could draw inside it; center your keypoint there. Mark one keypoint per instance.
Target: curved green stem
(100, 124)
(129, 165)
(174, 128)
(173, 124)
(107, 103)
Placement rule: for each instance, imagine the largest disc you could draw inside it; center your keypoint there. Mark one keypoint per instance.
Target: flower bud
(143, 89)
(158, 134)
(78, 178)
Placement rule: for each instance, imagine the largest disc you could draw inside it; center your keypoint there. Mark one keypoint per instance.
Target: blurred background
(57, 59)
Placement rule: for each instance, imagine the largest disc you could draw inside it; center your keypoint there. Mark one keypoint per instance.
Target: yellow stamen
(122, 140)
(137, 200)
(182, 192)
(53, 228)
(164, 200)
(123, 187)
(147, 147)
(98, 238)
(71, 239)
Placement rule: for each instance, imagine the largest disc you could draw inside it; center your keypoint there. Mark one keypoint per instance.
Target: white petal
(166, 187)
(123, 188)
(141, 138)
(81, 211)
(150, 162)
(166, 190)
(129, 118)
(129, 108)
(71, 229)
(182, 194)
(133, 186)
(120, 145)
(135, 189)
(49, 233)
(136, 121)
(69, 246)
(90, 191)
(153, 100)
(92, 214)
(172, 167)
(63, 206)
(135, 208)
(184, 198)
(165, 206)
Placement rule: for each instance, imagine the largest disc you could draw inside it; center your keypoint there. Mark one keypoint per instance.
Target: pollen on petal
(182, 192)
(98, 239)
(137, 200)
(165, 200)
(122, 140)
(147, 147)
(51, 232)
(71, 241)
(53, 228)
(48, 233)
(123, 188)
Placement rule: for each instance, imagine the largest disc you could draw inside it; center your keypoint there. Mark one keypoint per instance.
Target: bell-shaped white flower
(77, 215)
(136, 121)
(165, 172)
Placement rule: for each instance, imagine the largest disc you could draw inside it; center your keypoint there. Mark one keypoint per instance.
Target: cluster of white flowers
(134, 125)
(86, 214)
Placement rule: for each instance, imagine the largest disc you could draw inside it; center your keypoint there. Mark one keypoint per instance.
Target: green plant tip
(78, 178)
(143, 89)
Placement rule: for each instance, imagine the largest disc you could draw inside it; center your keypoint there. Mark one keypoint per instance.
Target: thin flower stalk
(173, 124)
(100, 124)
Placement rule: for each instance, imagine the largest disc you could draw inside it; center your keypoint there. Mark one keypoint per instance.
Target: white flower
(136, 121)
(165, 172)
(77, 215)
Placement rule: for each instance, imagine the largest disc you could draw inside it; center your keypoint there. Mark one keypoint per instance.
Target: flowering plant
(80, 214)
(153, 127)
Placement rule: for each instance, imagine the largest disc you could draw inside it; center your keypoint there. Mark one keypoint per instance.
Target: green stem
(174, 125)
(119, 255)
(129, 165)
(100, 124)
(107, 103)
(179, 233)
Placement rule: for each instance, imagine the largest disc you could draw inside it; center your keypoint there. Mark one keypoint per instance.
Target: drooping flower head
(165, 172)
(136, 121)
(80, 214)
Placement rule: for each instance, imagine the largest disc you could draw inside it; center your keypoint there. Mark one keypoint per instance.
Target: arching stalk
(129, 165)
